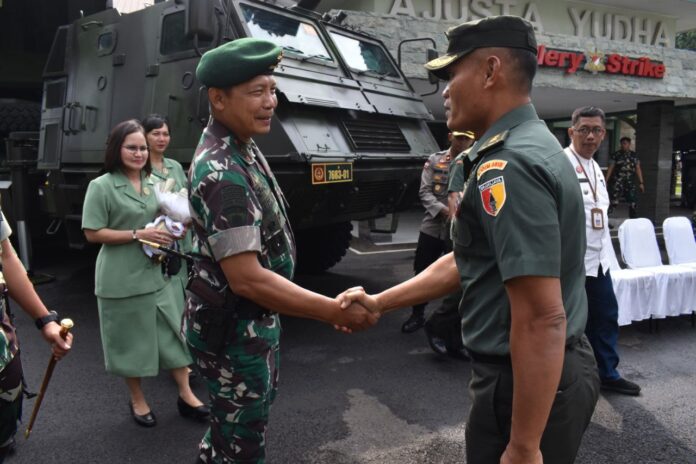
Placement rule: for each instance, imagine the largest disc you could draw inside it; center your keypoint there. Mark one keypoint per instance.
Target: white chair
(675, 285)
(635, 290)
(679, 241)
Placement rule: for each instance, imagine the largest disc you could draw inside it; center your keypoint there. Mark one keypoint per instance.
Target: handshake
(358, 310)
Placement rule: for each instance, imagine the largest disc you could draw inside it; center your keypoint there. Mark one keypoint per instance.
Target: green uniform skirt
(141, 334)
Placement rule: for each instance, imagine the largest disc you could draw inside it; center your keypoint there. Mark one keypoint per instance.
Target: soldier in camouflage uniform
(14, 280)
(626, 165)
(433, 239)
(246, 255)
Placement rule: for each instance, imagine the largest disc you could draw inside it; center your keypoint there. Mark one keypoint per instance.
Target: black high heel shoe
(199, 413)
(144, 420)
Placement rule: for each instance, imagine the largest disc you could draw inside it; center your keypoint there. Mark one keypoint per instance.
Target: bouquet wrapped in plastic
(175, 217)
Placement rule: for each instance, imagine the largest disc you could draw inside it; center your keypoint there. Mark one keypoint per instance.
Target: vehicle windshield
(293, 35)
(364, 57)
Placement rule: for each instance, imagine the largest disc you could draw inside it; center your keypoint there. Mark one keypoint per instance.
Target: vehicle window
(364, 57)
(173, 37)
(295, 36)
(105, 42)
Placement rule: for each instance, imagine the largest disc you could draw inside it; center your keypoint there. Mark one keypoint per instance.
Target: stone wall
(677, 82)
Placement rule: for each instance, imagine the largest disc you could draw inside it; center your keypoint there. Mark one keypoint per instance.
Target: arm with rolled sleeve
(229, 210)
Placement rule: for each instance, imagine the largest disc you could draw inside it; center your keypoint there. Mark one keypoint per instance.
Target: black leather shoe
(199, 413)
(413, 323)
(622, 386)
(436, 343)
(144, 420)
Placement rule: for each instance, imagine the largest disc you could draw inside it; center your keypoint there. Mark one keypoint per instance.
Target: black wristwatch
(52, 316)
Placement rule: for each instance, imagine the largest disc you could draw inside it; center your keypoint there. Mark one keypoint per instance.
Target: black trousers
(428, 250)
(488, 428)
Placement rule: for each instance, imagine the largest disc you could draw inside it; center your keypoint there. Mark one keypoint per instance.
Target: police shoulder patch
(493, 142)
(496, 164)
(493, 195)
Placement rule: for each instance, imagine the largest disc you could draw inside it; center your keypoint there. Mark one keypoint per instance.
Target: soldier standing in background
(625, 164)
(434, 237)
(246, 255)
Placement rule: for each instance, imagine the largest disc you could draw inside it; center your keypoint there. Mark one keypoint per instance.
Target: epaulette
(495, 141)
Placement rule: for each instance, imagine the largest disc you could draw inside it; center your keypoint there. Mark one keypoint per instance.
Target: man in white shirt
(586, 134)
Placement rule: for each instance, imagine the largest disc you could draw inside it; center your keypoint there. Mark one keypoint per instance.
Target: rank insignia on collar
(496, 164)
(495, 141)
(493, 195)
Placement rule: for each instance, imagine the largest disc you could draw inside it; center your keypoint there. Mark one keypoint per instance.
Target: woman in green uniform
(158, 138)
(139, 308)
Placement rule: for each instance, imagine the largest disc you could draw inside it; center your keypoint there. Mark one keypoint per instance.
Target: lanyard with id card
(596, 214)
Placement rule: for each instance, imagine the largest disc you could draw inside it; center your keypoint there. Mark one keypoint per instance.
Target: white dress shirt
(598, 241)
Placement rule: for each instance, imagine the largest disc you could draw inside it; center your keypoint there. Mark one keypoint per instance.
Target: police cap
(238, 61)
(493, 31)
(467, 134)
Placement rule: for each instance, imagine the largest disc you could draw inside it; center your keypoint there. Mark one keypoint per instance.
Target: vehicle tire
(19, 115)
(320, 248)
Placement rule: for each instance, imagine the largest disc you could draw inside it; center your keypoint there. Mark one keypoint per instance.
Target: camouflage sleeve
(95, 210)
(5, 230)
(227, 208)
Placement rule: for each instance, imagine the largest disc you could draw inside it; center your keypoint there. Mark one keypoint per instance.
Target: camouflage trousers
(624, 189)
(10, 401)
(242, 381)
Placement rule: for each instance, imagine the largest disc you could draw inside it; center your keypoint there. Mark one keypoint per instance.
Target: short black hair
(155, 121)
(588, 112)
(526, 64)
(628, 139)
(112, 157)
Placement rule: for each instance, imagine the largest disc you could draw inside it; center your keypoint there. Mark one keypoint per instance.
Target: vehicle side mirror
(200, 19)
(431, 54)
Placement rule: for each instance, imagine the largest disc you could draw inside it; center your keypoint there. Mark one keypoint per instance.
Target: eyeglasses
(134, 148)
(585, 131)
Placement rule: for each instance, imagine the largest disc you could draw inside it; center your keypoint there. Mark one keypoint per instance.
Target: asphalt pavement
(376, 397)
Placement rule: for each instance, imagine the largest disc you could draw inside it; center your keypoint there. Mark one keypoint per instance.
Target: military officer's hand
(355, 317)
(513, 456)
(357, 294)
(641, 187)
(60, 347)
(157, 235)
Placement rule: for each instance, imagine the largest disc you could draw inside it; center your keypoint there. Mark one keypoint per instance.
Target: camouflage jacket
(236, 203)
(625, 163)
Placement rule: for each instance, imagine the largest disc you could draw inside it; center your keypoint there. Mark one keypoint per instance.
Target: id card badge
(597, 218)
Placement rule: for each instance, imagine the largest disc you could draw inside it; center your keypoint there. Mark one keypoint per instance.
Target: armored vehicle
(348, 139)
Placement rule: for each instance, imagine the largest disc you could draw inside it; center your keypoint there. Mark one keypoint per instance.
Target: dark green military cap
(493, 31)
(238, 61)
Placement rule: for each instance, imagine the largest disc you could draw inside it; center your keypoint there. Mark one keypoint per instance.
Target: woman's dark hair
(155, 121)
(112, 157)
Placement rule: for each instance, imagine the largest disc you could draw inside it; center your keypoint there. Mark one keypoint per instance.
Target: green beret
(493, 31)
(238, 61)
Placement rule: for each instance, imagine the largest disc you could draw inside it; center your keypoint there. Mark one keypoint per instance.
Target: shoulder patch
(495, 141)
(496, 164)
(493, 195)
